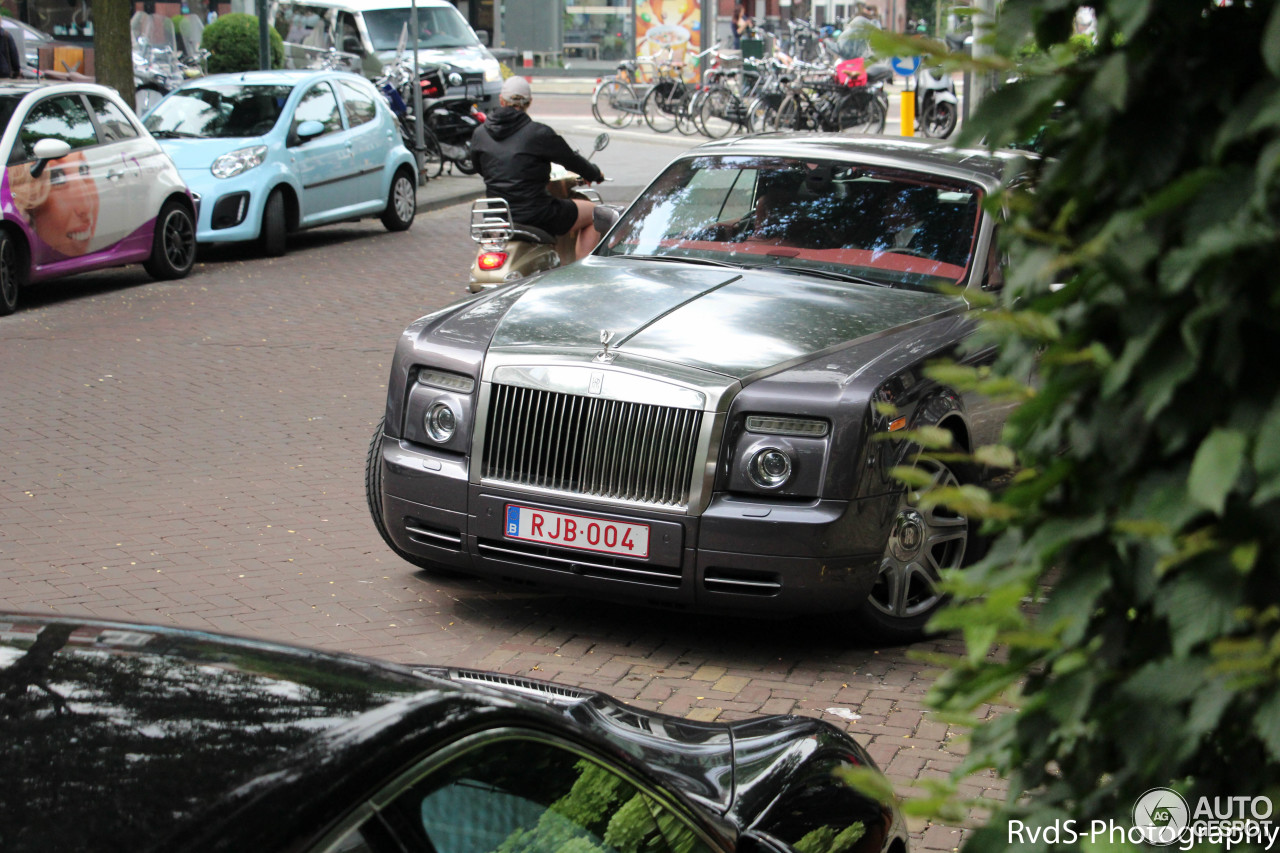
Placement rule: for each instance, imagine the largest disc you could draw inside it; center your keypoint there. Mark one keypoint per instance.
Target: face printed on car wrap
(61, 203)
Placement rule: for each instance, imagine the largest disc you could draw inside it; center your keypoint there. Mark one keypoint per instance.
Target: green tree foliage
(1145, 520)
(232, 42)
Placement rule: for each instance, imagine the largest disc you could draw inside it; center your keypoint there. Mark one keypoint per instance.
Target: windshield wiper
(827, 274)
(174, 134)
(706, 262)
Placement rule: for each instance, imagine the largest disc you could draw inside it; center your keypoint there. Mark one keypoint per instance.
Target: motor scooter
(937, 108)
(508, 250)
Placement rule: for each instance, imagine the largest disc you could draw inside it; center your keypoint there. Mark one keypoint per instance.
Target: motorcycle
(937, 108)
(508, 250)
(451, 119)
(157, 69)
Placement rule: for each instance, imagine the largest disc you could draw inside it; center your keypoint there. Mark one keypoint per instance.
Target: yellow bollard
(908, 113)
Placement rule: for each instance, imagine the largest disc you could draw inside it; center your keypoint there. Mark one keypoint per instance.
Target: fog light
(770, 468)
(440, 422)
(491, 260)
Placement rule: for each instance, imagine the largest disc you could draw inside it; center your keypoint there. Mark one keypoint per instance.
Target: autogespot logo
(1161, 815)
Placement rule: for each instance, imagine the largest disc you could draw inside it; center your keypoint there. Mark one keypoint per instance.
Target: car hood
(462, 58)
(197, 155)
(732, 322)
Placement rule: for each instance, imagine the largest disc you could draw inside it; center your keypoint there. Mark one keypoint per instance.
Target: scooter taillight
(477, 115)
(491, 260)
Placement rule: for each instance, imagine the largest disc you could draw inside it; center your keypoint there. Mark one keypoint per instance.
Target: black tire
(464, 165)
(610, 103)
(402, 201)
(373, 497)
(13, 272)
(717, 111)
(275, 227)
(860, 111)
(660, 107)
(939, 120)
(173, 246)
(905, 595)
(791, 115)
(145, 97)
(432, 156)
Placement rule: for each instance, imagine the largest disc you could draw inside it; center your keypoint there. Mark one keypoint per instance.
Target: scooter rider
(514, 154)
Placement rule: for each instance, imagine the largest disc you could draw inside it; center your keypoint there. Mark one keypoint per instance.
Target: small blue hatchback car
(272, 152)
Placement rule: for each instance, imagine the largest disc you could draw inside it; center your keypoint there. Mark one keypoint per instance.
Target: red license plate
(577, 531)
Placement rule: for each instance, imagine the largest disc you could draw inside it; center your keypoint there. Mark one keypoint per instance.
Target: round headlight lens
(770, 468)
(440, 422)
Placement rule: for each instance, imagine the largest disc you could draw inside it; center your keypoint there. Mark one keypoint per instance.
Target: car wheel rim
(922, 542)
(404, 199)
(179, 240)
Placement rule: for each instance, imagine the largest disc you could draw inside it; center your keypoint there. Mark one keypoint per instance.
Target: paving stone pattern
(191, 453)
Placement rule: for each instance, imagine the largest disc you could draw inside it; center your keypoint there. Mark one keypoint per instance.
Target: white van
(371, 30)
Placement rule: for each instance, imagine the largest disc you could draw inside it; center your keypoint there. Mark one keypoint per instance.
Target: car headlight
(770, 468)
(440, 422)
(492, 71)
(242, 160)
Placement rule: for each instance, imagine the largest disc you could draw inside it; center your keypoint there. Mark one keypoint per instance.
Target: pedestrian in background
(10, 61)
(740, 24)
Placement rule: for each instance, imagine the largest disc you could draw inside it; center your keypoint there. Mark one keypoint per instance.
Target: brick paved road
(192, 453)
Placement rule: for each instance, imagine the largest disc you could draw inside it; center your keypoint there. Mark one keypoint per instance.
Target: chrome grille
(589, 446)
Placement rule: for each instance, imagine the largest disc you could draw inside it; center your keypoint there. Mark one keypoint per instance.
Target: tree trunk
(112, 46)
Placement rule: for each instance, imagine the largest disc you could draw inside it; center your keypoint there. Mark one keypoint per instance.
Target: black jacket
(10, 62)
(514, 154)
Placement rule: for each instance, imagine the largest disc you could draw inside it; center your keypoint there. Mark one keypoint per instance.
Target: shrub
(232, 42)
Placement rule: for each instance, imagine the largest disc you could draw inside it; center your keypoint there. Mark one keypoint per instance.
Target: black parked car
(695, 415)
(129, 737)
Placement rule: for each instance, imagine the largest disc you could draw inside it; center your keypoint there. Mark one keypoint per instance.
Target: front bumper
(216, 196)
(739, 555)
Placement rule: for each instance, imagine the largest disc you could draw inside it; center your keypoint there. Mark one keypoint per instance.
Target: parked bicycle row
(834, 93)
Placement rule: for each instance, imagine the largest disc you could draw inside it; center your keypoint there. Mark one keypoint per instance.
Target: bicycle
(666, 107)
(618, 100)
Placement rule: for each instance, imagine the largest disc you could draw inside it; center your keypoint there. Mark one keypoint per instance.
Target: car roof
(279, 77)
(148, 706)
(26, 87)
(371, 5)
(986, 167)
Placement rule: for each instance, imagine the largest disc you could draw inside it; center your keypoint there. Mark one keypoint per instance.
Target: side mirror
(604, 217)
(46, 150)
(485, 37)
(601, 143)
(310, 129)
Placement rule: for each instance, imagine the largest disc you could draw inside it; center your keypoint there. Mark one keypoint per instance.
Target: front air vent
(742, 581)
(425, 534)
(583, 445)
(588, 564)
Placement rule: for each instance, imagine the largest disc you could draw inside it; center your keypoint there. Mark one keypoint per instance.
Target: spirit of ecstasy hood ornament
(604, 355)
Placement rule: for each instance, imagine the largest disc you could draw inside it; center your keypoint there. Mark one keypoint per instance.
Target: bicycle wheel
(762, 114)
(660, 107)
(613, 103)
(432, 156)
(790, 115)
(686, 118)
(716, 111)
(860, 112)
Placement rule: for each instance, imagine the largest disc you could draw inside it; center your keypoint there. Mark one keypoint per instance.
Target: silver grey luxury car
(688, 417)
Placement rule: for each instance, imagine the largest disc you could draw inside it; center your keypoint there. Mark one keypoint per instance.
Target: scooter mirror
(602, 142)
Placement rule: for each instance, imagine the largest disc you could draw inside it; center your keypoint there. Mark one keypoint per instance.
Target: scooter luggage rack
(491, 221)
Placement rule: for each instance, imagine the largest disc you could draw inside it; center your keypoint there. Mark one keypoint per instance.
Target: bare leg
(586, 236)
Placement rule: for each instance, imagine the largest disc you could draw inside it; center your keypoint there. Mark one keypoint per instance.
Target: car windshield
(438, 27)
(896, 228)
(218, 111)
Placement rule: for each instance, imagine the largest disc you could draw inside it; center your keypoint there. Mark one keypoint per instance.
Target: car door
(324, 163)
(74, 210)
(514, 790)
(129, 157)
(370, 135)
